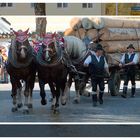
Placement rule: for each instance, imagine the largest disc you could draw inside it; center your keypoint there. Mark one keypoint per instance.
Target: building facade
(53, 9)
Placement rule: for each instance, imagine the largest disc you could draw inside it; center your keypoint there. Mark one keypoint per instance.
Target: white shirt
(88, 60)
(135, 59)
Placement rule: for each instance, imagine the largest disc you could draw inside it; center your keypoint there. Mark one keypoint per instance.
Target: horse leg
(26, 95)
(19, 96)
(14, 94)
(65, 91)
(53, 91)
(57, 94)
(77, 97)
(30, 104)
(32, 81)
(42, 92)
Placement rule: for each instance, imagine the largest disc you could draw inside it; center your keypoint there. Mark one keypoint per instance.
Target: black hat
(130, 46)
(99, 47)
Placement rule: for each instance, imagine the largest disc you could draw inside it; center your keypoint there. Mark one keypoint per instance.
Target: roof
(4, 26)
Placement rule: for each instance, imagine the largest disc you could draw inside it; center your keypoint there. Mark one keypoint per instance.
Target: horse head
(50, 46)
(21, 43)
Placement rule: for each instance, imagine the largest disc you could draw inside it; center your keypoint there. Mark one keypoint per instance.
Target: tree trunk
(41, 22)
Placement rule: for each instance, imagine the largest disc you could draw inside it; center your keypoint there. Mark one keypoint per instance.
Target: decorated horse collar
(49, 38)
(21, 36)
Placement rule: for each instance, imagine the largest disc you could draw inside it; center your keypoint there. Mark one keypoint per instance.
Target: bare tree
(41, 22)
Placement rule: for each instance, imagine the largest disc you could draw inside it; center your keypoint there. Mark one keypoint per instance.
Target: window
(59, 5)
(87, 5)
(2, 4)
(84, 5)
(10, 4)
(62, 5)
(6, 4)
(90, 5)
(65, 5)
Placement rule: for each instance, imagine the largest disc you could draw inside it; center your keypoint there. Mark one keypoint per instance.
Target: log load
(119, 46)
(87, 23)
(110, 34)
(92, 33)
(80, 33)
(121, 23)
(75, 23)
(69, 32)
(98, 23)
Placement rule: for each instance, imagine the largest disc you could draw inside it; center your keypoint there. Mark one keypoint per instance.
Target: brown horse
(51, 70)
(21, 66)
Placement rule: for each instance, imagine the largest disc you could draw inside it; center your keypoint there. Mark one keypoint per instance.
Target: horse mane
(75, 47)
(12, 56)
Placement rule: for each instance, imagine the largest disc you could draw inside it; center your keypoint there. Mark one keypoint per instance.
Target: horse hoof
(25, 111)
(76, 101)
(56, 111)
(64, 103)
(43, 102)
(19, 105)
(53, 107)
(56, 105)
(14, 109)
(30, 106)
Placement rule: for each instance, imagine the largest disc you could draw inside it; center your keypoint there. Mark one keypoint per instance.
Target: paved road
(114, 110)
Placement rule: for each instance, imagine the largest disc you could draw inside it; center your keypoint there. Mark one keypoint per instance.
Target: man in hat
(97, 66)
(128, 62)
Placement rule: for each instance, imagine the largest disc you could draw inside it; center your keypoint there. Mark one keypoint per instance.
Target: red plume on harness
(21, 36)
(47, 38)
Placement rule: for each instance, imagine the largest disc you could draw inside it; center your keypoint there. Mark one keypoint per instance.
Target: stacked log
(81, 28)
(119, 46)
(121, 23)
(115, 34)
(110, 34)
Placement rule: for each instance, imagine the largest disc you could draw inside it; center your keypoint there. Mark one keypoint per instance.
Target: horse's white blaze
(23, 54)
(47, 57)
(54, 101)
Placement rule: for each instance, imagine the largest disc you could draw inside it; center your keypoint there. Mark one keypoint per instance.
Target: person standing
(97, 67)
(128, 62)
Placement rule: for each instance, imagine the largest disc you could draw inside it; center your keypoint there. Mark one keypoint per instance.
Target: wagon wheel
(114, 83)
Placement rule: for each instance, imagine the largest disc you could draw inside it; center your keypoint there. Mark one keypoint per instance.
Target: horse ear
(26, 32)
(54, 35)
(16, 33)
(43, 35)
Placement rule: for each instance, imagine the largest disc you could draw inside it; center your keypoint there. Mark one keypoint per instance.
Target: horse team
(56, 58)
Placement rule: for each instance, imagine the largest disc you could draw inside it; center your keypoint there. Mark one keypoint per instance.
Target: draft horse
(51, 70)
(21, 66)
